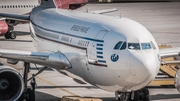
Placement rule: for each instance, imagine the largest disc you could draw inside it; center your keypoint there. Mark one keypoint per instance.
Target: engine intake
(3, 27)
(177, 80)
(11, 84)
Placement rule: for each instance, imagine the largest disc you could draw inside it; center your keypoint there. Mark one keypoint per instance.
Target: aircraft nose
(143, 67)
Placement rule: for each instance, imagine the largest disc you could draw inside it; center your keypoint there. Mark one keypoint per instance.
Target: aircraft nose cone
(143, 68)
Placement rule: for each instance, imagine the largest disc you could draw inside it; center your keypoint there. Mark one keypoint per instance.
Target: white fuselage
(89, 40)
(17, 6)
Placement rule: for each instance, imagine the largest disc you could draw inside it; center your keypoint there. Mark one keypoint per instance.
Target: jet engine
(177, 80)
(70, 4)
(11, 84)
(3, 27)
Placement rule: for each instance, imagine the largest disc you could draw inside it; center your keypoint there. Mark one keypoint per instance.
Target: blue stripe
(96, 40)
(99, 44)
(103, 61)
(100, 57)
(99, 52)
(99, 48)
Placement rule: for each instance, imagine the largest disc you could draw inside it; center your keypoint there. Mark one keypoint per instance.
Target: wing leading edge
(15, 17)
(170, 52)
(55, 60)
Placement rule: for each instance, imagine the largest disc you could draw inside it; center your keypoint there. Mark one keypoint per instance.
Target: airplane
(24, 7)
(115, 54)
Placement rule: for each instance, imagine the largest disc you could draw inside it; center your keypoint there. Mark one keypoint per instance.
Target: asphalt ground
(162, 19)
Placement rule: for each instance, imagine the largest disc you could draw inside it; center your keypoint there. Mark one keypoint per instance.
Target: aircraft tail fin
(64, 4)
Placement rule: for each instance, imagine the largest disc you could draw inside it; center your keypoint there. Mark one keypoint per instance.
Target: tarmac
(162, 19)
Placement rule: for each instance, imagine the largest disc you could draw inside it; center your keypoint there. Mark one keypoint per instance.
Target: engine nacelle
(177, 80)
(11, 84)
(3, 27)
(70, 4)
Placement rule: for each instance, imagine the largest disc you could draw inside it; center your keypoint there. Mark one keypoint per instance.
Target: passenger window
(134, 46)
(123, 46)
(145, 46)
(118, 45)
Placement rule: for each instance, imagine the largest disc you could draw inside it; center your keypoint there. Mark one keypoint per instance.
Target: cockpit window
(118, 45)
(153, 46)
(145, 46)
(134, 46)
(123, 46)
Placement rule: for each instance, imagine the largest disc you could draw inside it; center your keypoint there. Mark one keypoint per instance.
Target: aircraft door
(97, 46)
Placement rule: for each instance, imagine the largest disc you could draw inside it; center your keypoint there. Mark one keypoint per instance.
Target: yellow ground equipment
(167, 72)
(77, 98)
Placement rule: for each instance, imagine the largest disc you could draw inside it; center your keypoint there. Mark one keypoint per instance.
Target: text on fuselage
(79, 28)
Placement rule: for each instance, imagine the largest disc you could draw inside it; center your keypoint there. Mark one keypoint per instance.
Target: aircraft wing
(56, 60)
(15, 16)
(169, 52)
(104, 11)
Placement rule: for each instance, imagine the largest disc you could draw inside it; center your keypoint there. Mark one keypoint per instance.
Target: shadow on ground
(22, 33)
(12, 40)
(164, 96)
(49, 87)
(48, 97)
(108, 99)
(40, 96)
(18, 33)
